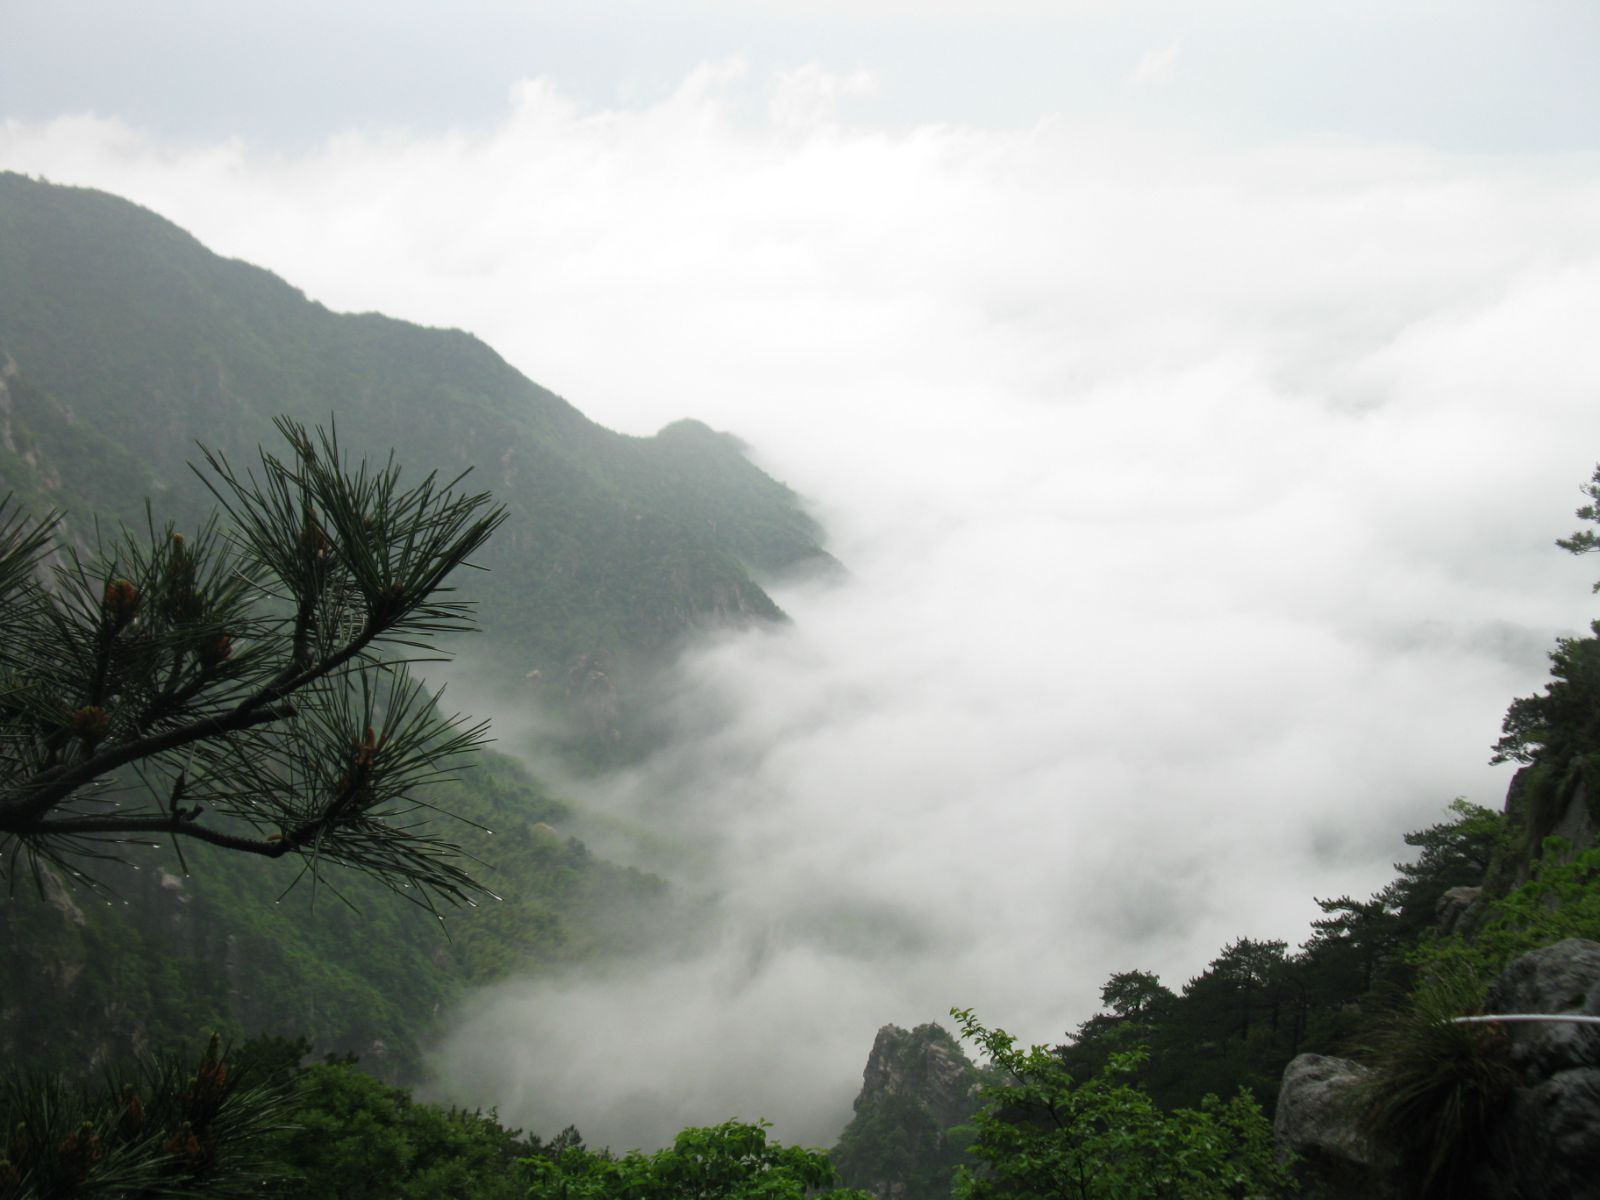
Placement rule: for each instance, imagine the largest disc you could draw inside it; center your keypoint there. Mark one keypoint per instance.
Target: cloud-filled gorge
(1196, 499)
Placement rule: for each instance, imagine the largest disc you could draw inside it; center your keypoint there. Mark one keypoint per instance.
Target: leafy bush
(1560, 901)
(1043, 1134)
(351, 1136)
(731, 1161)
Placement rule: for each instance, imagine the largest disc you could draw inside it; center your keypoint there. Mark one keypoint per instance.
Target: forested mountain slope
(171, 950)
(123, 342)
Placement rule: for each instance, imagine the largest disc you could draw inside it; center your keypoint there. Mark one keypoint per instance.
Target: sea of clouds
(1196, 499)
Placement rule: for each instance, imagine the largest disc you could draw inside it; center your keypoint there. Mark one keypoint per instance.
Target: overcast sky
(1193, 391)
(1462, 75)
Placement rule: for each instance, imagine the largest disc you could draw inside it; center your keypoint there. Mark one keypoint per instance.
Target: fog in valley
(1195, 492)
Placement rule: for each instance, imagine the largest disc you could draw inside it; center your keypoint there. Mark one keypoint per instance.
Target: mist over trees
(241, 693)
(1383, 979)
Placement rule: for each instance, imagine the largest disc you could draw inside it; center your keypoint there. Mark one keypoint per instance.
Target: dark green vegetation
(161, 1129)
(731, 1161)
(1438, 1086)
(259, 1123)
(90, 979)
(346, 1136)
(123, 342)
(255, 1123)
(1130, 1103)
(1381, 981)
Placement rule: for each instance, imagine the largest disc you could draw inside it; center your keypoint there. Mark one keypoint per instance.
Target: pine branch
(259, 656)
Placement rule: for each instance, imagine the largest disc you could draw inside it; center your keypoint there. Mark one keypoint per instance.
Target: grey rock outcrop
(1455, 908)
(926, 1063)
(1576, 821)
(1545, 1144)
(1552, 1127)
(1541, 809)
(1316, 1121)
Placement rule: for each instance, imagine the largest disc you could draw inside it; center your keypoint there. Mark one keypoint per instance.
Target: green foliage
(1564, 722)
(1585, 541)
(1365, 933)
(1044, 1134)
(163, 1129)
(1455, 853)
(1561, 900)
(253, 1123)
(257, 1123)
(1135, 995)
(1437, 1087)
(731, 1161)
(351, 1137)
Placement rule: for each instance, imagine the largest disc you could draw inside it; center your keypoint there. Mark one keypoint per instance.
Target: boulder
(1454, 906)
(1551, 1131)
(1316, 1122)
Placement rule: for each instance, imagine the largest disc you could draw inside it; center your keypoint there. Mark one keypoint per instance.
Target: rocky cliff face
(927, 1063)
(1543, 1144)
(1576, 822)
(1544, 801)
(918, 1092)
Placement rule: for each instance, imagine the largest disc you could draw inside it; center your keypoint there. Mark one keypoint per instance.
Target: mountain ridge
(125, 341)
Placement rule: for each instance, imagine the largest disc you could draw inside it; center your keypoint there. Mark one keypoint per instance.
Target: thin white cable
(1508, 1018)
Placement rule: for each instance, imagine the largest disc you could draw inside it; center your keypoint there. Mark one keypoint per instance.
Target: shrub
(1438, 1088)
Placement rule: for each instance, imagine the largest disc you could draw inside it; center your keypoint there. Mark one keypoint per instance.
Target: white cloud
(809, 96)
(1198, 504)
(1156, 68)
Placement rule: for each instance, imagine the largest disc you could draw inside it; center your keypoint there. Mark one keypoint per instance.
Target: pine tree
(247, 686)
